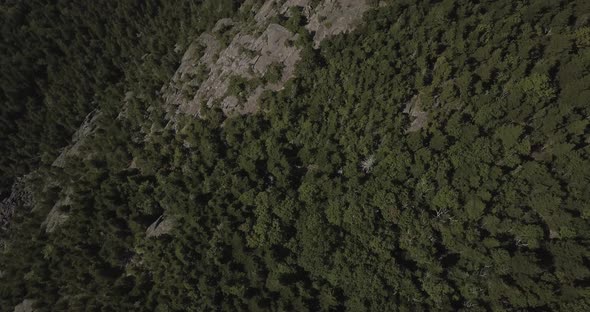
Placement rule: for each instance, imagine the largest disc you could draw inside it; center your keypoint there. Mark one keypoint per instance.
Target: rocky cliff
(259, 47)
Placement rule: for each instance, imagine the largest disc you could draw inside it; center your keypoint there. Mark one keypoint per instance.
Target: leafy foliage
(323, 200)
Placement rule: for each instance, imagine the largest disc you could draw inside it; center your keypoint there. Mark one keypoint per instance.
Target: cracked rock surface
(208, 66)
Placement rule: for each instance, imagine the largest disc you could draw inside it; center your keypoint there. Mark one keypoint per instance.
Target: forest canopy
(437, 157)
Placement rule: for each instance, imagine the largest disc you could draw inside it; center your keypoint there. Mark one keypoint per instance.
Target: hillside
(295, 155)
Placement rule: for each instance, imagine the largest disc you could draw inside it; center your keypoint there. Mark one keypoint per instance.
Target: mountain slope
(435, 157)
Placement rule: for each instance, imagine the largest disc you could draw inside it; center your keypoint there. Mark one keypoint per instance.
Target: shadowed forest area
(435, 158)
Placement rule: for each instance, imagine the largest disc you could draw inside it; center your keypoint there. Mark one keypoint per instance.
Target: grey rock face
(163, 225)
(56, 215)
(25, 306)
(21, 196)
(208, 66)
(420, 117)
(87, 127)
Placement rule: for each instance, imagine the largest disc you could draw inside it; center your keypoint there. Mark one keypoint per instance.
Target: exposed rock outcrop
(21, 197)
(246, 56)
(25, 306)
(162, 225)
(333, 17)
(419, 116)
(57, 215)
(87, 127)
(209, 66)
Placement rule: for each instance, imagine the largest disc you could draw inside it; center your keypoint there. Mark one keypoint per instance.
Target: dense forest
(435, 158)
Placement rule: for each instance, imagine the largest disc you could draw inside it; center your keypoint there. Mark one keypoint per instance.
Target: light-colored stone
(420, 117)
(56, 216)
(162, 225)
(234, 61)
(88, 126)
(222, 23)
(254, 48)
(25, 306)
(333, 17)
(21, 196)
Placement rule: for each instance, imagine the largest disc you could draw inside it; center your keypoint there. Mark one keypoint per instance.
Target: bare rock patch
(209, 65)
(419, 116)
